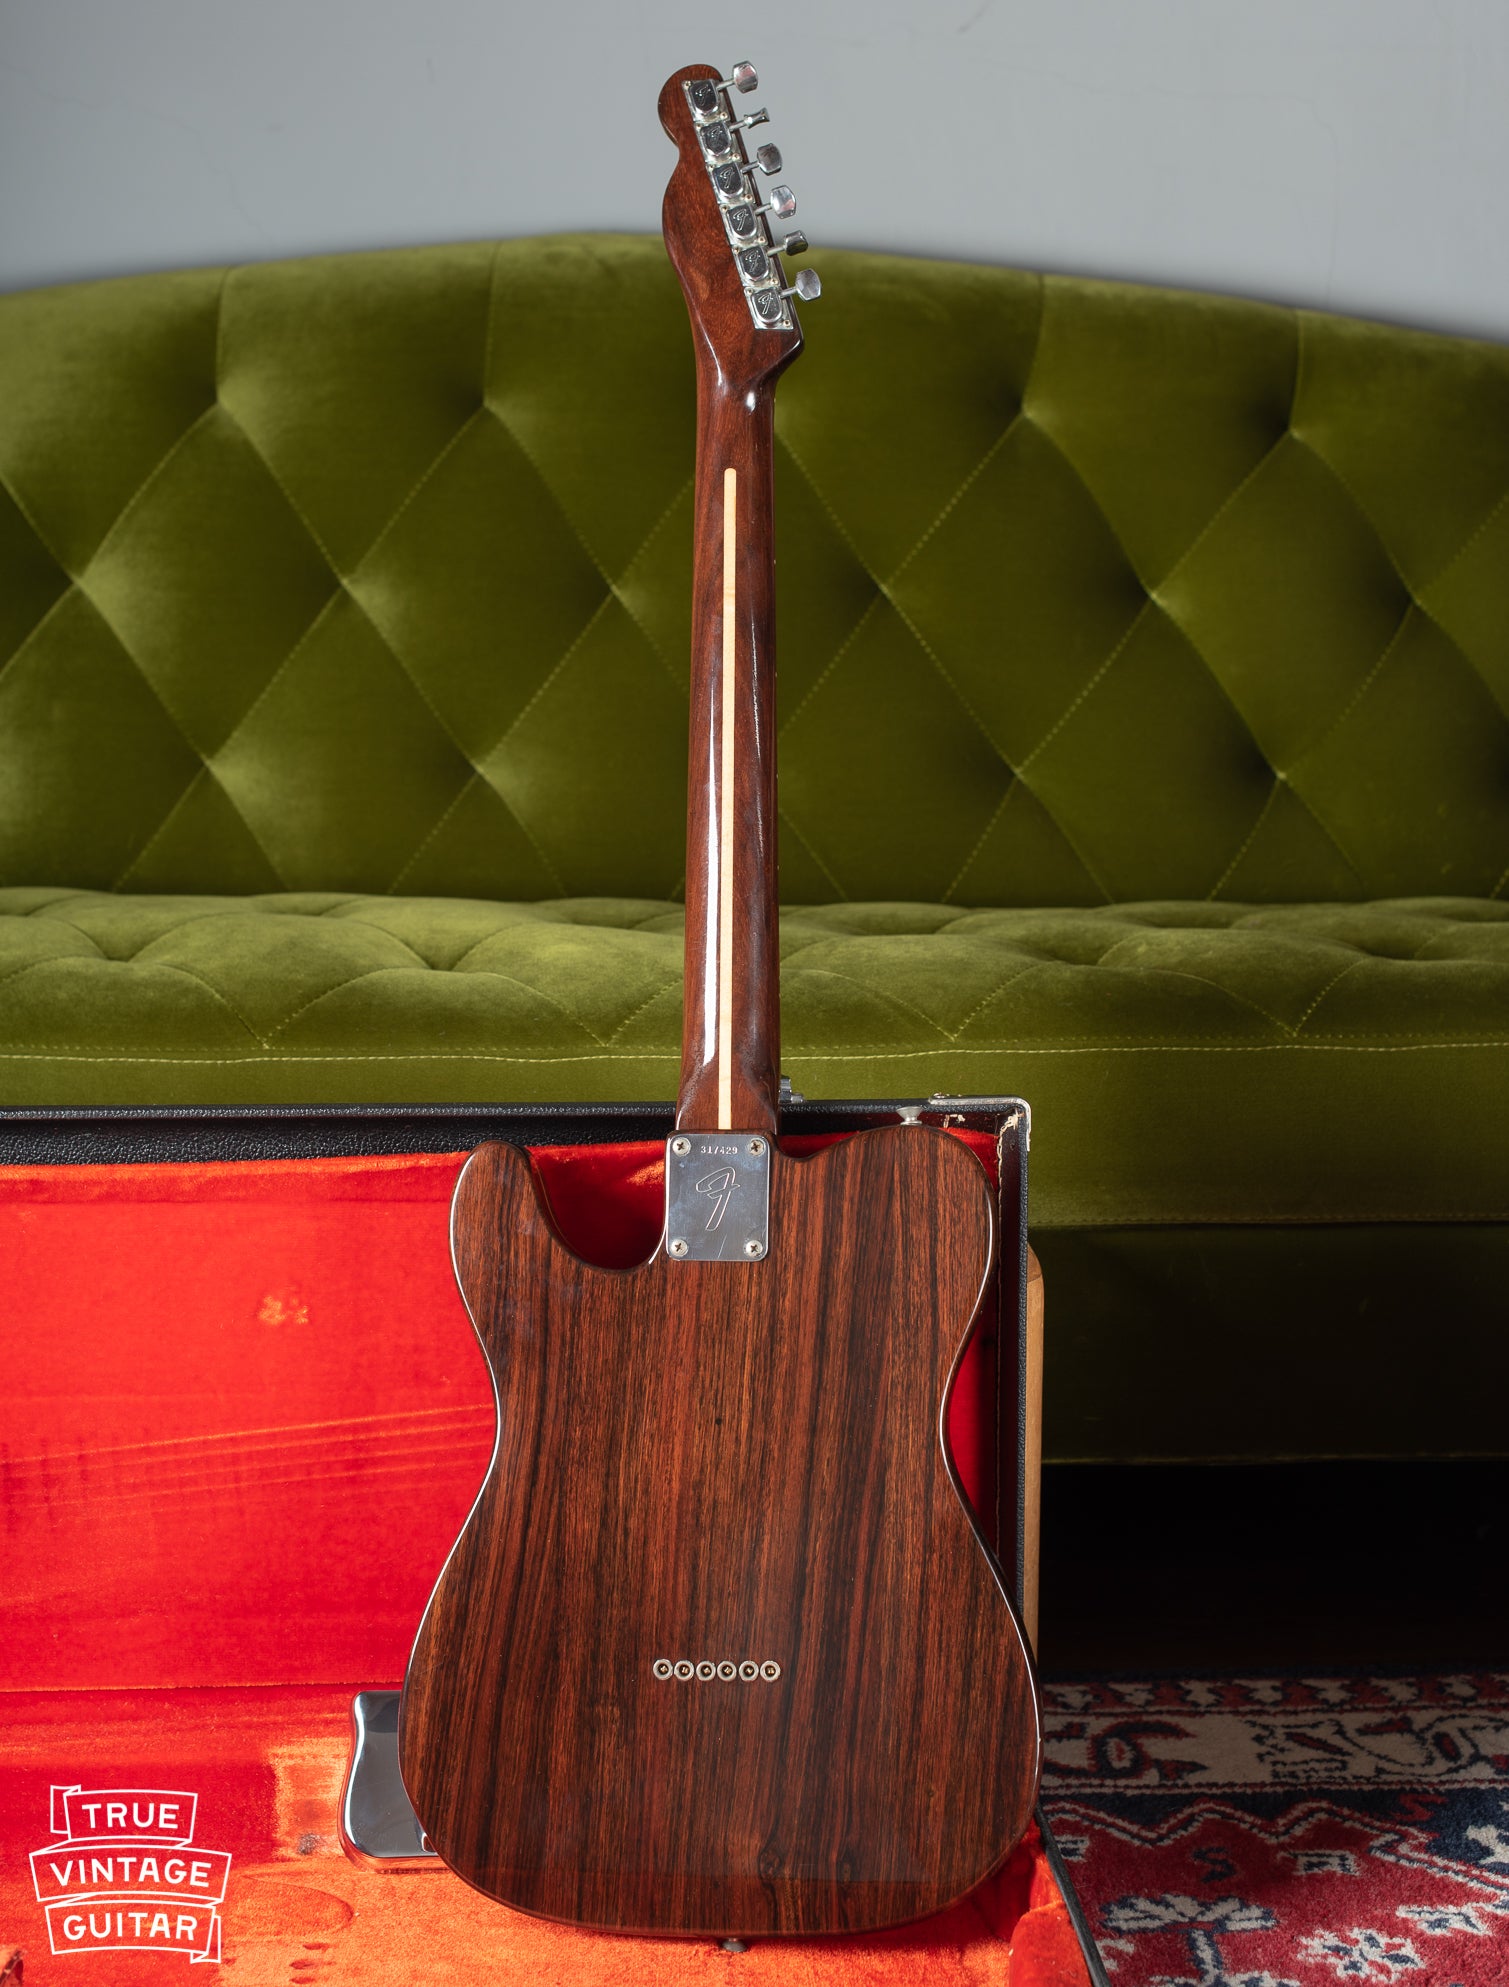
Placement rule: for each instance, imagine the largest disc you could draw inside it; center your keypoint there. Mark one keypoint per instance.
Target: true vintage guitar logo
(123, 1874)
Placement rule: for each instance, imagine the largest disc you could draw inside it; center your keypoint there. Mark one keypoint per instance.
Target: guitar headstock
(724, 227)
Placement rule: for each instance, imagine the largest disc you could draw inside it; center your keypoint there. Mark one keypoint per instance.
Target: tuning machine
(782, 203)
(748, 220)
(732, 177)
(755, 263)
(707, 97)
(769, 305)
(722, 152)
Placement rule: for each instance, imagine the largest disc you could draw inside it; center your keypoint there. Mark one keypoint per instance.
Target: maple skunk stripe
(726, 804)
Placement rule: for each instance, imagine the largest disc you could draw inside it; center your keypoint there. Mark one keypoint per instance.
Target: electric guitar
(721, 1649)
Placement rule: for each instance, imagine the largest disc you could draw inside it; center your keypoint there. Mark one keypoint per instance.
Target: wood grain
(739, 1466)
(722, 1462)
(732, 947)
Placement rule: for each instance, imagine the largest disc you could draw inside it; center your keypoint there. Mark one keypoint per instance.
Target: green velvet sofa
(1144, 751)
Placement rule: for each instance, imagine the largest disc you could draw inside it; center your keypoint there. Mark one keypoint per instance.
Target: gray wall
(1351, 154)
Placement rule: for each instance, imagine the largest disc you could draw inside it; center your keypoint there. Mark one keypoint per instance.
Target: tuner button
(768, 158)
(744, 77)
(754, 117)
(796, 244)
(782, 203)
(808, 286)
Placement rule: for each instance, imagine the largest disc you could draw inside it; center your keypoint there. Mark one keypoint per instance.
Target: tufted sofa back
(369, 573)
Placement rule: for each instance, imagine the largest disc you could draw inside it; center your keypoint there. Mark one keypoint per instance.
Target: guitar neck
(731, 1036)
(745, 333)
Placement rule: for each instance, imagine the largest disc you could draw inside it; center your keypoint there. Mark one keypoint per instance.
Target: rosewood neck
(730, 1040)
(730, 1052)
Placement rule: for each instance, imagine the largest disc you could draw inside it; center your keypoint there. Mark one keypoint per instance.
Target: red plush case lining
(247, 1415)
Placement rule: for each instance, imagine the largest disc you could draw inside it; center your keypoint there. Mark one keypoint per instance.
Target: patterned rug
(1287, 1832)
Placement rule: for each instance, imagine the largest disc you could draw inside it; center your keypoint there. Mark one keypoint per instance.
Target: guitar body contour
(726, 1464)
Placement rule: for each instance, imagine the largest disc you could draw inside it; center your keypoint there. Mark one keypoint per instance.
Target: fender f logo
(717, 1198)
(719, 1187)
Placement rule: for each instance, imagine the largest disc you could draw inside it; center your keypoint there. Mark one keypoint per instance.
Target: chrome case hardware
(378, 1827)
(717, 1196)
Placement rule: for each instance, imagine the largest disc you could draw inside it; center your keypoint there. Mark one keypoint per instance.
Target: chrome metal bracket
(378, 1827)
(717, 1196)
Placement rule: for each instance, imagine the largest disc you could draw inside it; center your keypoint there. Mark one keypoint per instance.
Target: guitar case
(246, 1416)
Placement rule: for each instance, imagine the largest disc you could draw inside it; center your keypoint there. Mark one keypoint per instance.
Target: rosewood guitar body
(727, 1464)
(720, 1649)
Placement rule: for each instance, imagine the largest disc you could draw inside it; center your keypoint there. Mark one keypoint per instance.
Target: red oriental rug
(1287, 1832)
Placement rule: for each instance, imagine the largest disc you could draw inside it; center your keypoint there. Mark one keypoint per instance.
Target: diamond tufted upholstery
(1144, 716)
(1158, 1010)
(338, 574)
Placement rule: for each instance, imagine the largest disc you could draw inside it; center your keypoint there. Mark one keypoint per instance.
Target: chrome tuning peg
(782, 203)
(744, 123)
(808, 286)
(730, 177)
(742, 77)
(795, 244)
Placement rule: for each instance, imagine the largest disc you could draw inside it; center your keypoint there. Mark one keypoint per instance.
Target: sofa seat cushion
(1185, 1061)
